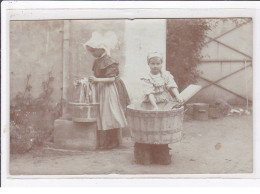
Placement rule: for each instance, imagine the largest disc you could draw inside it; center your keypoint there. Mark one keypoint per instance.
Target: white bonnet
(154, 54)
(107, 41)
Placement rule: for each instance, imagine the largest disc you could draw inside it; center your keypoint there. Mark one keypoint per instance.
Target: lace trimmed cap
(154, 54)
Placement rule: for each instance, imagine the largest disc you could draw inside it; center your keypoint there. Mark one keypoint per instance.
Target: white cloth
(107, 41)
(154, 54)
(87, 92)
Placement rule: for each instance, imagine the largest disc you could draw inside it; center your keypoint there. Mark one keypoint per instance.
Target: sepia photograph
(142, 96)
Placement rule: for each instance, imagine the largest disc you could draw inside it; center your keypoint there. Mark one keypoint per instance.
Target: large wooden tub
(155, 127)
(82, 112)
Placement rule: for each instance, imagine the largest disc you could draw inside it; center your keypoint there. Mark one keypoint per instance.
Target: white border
(80, 10)
(131, 4)
(123, 13)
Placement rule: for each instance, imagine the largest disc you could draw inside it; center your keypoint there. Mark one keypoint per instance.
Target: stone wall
(36, 49)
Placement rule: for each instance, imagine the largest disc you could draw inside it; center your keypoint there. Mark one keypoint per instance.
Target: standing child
(112, 94)
(159, 88)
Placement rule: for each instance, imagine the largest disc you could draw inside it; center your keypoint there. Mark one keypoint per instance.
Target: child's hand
(177, 95)
(179, 99)
(155, 108)
(92, 79)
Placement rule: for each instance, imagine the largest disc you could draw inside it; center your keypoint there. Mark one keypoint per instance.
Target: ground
(223, 145)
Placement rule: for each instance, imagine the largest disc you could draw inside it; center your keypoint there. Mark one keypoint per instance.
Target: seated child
(159, 85)
(159, 88)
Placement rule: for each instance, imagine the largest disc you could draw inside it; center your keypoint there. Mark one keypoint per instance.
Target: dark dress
(108, 136)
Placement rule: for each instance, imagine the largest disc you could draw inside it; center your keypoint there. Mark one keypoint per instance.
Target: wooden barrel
(82, 112)
(155, 127)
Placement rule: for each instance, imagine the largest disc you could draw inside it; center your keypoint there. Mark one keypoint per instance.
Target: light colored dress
(112, 96)
(111, 112)
(158, 85)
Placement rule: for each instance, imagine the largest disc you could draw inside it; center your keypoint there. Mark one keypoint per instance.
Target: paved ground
(215, 146)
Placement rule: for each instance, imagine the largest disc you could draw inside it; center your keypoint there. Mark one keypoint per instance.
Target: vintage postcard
(140, 96)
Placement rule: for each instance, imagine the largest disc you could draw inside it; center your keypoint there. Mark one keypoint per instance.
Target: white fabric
(87, 92)
(107, 41)
(154, 54)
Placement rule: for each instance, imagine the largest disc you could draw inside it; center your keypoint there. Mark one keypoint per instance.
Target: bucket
(82, 112)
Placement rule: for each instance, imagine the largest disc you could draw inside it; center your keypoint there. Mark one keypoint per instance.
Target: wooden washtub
(155, 127)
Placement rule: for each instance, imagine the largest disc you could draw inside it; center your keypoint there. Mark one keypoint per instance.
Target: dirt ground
(223, 145)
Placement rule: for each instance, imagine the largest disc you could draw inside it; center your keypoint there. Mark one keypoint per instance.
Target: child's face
(96, 52)
(155, 64)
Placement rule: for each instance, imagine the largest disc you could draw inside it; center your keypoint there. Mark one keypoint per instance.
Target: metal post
(65, 67)
(246, 86)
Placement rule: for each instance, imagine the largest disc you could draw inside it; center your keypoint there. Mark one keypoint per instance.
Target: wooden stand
(75, 135)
